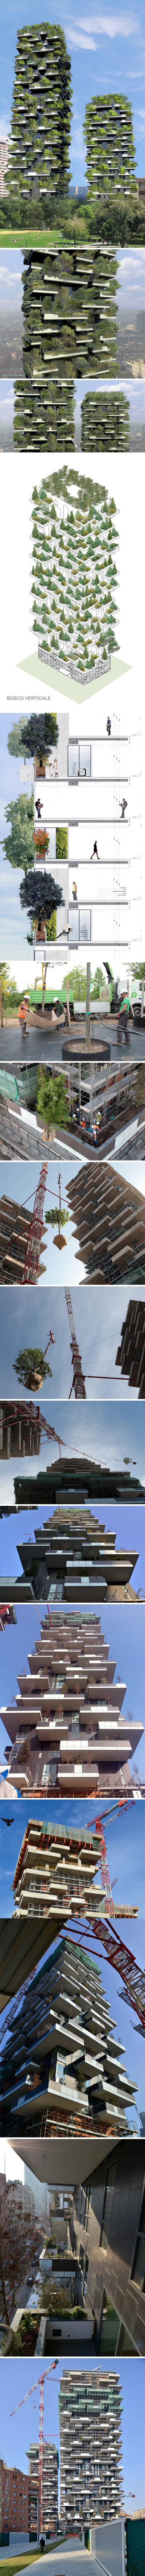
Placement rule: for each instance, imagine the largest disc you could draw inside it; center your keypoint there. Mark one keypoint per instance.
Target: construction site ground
(49, 1042)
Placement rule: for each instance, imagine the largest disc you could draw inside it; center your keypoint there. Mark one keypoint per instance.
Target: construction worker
(123, 1015)
(23, 1007)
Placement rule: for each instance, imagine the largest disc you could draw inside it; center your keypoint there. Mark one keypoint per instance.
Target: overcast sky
(98, 1323)
(110, 1433)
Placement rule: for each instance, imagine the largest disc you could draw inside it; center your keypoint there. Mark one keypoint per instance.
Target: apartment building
(49, 2483)
(109, 1223)
(110, 154)
(105, 420)
(67, 1728)
(91, 2467)
(62, 2065)
(130, 1356)
(38, 160)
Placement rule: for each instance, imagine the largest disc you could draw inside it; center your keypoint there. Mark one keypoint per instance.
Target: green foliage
(9, 991)
(38, 895)
(31, 1359)
(52, 1215)
(52, 1099)
(34, 736)
(61, 844)
(18, 847)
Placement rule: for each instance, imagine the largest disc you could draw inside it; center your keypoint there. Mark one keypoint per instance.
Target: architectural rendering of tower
(44, 413)
(69, 311)
(110, 154)
(105, 420)
(91, 2467)
(38, 159)
(67, 1731)
(49, 2483)
(74, 576)
(109, 1222)
(62, 2067)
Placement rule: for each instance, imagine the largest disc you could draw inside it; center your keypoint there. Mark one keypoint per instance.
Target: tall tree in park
(18, 844)
(34, 736)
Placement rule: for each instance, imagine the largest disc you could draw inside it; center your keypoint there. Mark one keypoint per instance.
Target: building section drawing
(101, 810)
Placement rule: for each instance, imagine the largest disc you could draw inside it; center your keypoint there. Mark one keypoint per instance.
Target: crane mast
(78, 1381)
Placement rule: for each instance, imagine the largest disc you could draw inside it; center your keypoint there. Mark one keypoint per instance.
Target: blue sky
(18, 2430)
(110, 1433)
(97, 1319)
(124, 1838)
(123, 1630)
(107, 53)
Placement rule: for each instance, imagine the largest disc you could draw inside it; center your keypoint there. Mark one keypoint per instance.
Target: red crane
(38, 2383)
(78, 1381)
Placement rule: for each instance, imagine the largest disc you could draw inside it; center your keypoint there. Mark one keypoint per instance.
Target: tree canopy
(33, 735)
(18, 845)
(39, 894)
(52, 1099)
(29, 1360)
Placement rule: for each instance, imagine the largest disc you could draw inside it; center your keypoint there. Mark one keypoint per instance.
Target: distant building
(110, 154)
(18, 2502)
(49, 2483)
(4, 147)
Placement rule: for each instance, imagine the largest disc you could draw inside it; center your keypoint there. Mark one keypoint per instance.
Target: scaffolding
(31, 1264)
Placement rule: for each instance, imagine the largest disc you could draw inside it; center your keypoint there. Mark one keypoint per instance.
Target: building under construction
(67, 1730)
(20, 1429)
(21, 1234)
(77, 1477)
(62, 1873)
(62, 2070)
(49, 2485)
(130, 1356)
(109, 1224)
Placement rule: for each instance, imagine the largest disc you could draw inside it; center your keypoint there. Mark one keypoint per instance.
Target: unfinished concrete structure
(62, 2070)
(109, 1224)
(20, 1428)
(76, 1476)
(130, 1356)
(59, 1870)
(67, 1732)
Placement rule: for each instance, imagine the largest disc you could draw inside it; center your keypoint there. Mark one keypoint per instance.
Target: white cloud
(85, 30)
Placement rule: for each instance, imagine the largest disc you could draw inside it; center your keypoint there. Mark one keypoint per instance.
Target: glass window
(74, 923)
(85, 759)
(138, 2267)
(84, 921)
(107, 2211)
(73, 760)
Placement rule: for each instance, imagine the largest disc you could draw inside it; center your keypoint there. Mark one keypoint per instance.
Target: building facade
(38, 162)
(62, 2068)
(4, 147)
(20, 1429)
(130, 1356)
(18, 2502)
(105, 420)
(49, 2483)
(110, 154)
(106, 2229)
(73, 536)
(91, 2467)
(16, 1238)
(76, 1476)
(108, 1223)
(69, 1735)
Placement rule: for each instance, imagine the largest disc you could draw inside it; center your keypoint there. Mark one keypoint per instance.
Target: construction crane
(119, 1957)
(22, 2401)
(78, 1381)
(31, 1263)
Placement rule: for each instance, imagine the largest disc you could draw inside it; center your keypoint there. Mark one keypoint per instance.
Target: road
(46, 1043)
